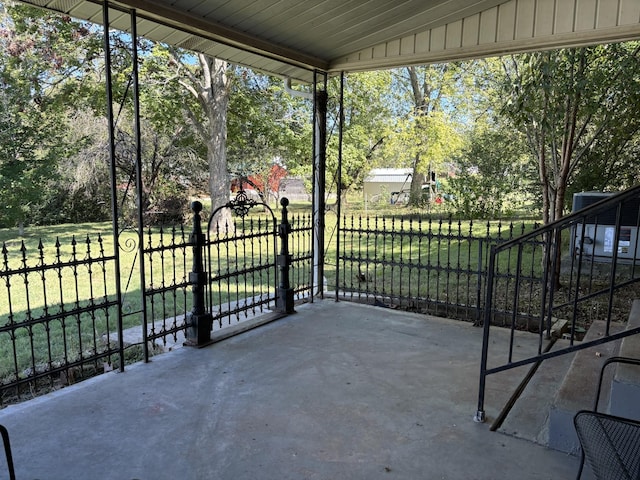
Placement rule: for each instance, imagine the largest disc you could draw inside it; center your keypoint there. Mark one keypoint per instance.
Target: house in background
(393, 185)
(294, 189)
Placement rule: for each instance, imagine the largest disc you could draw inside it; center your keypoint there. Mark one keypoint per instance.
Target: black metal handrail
(583, 271)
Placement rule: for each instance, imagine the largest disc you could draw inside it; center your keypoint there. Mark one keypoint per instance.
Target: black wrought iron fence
(240, 260)
(300, 242)
(57, 304)
(167, 258)
(62, 317)
(435, 266)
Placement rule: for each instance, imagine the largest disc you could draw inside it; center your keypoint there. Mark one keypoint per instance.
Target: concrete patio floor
(335, 391)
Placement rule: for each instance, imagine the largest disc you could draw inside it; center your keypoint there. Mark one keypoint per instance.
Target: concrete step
(529, 417)
(578, 388)
(625, 387)
(561, 386)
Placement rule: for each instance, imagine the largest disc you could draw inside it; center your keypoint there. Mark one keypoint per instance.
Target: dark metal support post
(284, 293)
(139, 181)
(480, 413)
(113, 174)
(320, 103)
(199, 321)
(339, 199)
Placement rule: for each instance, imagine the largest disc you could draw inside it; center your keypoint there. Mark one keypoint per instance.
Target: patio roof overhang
(294, 38)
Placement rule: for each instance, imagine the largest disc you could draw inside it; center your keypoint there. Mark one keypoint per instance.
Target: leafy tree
(428, 134)
(79, 190)
(268, 130)
(25, 157)
(42, 56)
(613, 167)
(493, 169)
(55, 67)
(193, 89)
(573, 105)
(494, 173)
(367, 120)
(579, 109)
(242, 122)
(178, 92)
(209, 85)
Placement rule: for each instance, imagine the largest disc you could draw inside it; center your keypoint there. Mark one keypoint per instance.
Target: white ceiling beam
(215, 31)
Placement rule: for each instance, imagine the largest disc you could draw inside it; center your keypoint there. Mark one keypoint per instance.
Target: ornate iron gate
(237, 272)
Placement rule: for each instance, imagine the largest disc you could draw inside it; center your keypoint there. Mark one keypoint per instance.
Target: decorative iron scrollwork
(241, 204)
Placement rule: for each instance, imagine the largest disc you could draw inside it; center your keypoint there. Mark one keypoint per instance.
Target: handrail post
(480, 412)
(199, 321)
(284, 292)
(478, 320)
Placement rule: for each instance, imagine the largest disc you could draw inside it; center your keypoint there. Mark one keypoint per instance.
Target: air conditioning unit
(600, 230)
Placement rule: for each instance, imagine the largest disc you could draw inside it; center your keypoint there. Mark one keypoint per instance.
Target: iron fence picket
(172, 255)
(301, 229)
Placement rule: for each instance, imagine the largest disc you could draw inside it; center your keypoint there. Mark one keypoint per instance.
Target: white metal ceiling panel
(294, 37)
(513, 26)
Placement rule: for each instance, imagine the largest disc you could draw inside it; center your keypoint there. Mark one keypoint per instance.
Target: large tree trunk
(213, 96)
(217, 102)
(424, 105)
(415, 196)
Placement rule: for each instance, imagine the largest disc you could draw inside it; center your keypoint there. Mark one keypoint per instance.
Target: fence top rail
(240, 206)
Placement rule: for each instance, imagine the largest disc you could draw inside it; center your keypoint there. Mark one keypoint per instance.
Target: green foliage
(367, 126)
(43, 57)
(25, 157)
(163, 99)
(430, 128)
(492, 173)
(566, 106)
(169, 204)
(265, 126)
(580, 112)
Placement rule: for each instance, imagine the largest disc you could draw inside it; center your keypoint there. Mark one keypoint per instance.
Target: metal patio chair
(7, 452)
(610, 444)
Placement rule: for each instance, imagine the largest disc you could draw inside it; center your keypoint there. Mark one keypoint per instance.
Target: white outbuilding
(381, 183)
